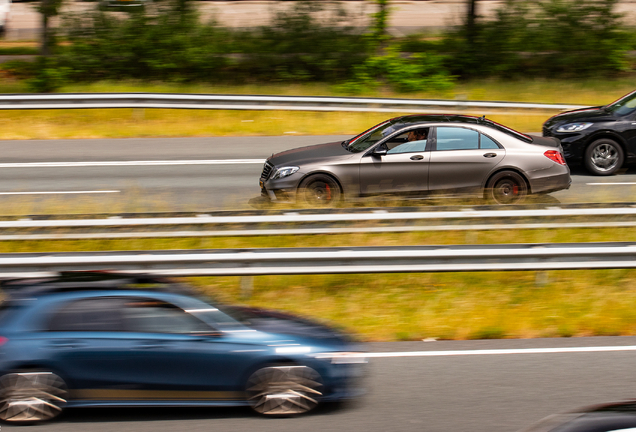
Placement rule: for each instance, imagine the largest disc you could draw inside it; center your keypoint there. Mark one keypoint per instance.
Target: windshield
(370, 137)
(623, 106)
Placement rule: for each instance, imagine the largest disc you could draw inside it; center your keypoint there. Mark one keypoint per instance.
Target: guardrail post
(541, 278)
(247, 286)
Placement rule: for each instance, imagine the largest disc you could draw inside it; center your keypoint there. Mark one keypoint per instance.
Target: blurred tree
(48, 9)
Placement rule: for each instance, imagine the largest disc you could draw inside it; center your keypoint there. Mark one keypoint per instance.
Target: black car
(601, 138)
(610, 417)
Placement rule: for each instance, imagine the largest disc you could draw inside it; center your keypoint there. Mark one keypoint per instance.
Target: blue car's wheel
(27, 397)
(284, 390)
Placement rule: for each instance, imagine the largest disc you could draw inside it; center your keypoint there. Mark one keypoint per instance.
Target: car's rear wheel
(506, 187)
(319, 190)
(604, 157)
(27, 397)
(284, 390)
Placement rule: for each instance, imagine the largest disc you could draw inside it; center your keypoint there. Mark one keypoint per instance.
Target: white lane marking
(131, 163)
(496, 352)
(60, 192)
(611, 184)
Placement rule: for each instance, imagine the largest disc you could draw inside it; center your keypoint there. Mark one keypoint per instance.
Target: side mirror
(379, 152)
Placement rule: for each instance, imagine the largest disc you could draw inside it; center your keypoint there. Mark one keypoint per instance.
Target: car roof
(461, 118)
(16, 288)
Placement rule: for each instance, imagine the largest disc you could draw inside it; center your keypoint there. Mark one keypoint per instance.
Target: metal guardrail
(337, 260)
(252, 102)
(297, 223)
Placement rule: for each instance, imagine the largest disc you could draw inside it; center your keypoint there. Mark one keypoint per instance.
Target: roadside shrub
(402, 73)
(307, 41)
(542, 37)
(163, 45)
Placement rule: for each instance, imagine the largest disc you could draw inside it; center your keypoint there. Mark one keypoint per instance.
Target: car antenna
(482, 118)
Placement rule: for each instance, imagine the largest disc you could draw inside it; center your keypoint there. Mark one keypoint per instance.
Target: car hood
(308, 154)
(592, 115)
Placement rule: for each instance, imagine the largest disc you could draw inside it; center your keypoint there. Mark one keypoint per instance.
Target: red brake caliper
(328, 192)
(515, 190)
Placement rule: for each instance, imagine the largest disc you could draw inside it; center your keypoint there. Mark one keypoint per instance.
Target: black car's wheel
(604, 157)
(284, 390)
(506, 187)
(319, 190)
(27, 397)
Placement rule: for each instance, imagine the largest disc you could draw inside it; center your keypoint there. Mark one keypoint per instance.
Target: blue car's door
(177, 356)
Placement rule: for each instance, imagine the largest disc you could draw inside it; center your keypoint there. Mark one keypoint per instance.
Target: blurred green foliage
(315, 42)
(543, 38)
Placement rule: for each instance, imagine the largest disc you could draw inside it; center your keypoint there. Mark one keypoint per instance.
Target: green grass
(389, 307)
(122, 123)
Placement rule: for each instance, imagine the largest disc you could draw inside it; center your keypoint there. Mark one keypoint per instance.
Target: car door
(461, 159)
(84, 339)
(179, 357)
(403, 169)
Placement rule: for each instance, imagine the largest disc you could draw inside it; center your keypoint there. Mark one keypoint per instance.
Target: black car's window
(449, 138)
(153, 316)
(487, 143)
(624, 106)
(401, 144)
(94, 314)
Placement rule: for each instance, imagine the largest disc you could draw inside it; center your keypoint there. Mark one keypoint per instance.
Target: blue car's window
(152, 316)
(86, 315)
(449, 138)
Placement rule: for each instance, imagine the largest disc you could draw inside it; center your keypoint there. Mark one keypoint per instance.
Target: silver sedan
(418, 156)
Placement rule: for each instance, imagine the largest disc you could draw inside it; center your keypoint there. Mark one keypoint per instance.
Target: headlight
(343, 357)
(284, 172)
(573, 127)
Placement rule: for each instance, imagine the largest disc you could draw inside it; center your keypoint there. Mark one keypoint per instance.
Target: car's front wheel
(27, 397)
(604, 157)
(506, 187)
(284, 390)
(319, 190)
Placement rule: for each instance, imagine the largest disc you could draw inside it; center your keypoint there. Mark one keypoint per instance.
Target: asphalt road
(484, 392)
(183, 174)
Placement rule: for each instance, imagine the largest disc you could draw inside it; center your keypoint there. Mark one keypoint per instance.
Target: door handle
(151, 345)
(490, 155)
(417, 157)
(66, 344)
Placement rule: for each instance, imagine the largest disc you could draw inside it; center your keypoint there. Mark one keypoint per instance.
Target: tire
(604, 157)
(506, 187)
(319, 190)
(284, 390)
(29, 397)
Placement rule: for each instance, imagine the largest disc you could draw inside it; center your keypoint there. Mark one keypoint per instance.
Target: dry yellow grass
(120, 123)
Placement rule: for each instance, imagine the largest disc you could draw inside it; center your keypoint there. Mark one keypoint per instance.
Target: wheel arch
(502, 169)
(609, 135)
(321, 172)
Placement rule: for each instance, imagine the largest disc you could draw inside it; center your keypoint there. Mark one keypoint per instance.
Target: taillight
(555, 156)
(3, 340)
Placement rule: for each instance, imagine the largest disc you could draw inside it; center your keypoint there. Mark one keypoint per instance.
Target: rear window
(508, 131)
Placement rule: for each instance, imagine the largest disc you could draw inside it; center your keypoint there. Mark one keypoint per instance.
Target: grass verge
(122, 123)
(389, 307)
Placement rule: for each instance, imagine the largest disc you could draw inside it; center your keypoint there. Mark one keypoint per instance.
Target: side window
(454, 138)
(153, 316)
(487, 143)
(408, 142)
(95, 314)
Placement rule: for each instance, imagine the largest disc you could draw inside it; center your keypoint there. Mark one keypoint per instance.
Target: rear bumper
(550, 183)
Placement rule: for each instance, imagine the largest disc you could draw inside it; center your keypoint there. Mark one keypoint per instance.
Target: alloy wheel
(284, 390)
(31, 396)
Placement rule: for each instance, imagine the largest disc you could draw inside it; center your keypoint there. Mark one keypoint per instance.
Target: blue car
(85, 339)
